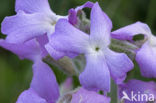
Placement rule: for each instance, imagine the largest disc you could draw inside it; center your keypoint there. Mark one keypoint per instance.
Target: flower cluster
(38, 34)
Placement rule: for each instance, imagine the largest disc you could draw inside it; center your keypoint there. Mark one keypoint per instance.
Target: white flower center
(94, 49)
(53, 20)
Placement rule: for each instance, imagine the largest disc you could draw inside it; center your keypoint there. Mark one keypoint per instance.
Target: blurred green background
(15, 75)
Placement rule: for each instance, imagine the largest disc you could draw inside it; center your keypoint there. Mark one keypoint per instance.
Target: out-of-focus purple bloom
(43, 88)
(84, 96)
(136, 91)
(101, 61)
(146, 55)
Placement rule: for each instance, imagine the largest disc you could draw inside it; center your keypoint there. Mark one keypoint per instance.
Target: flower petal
(44, 82)
(43, 40)
(137, 86)
(127, 32)
(23, 27)
(33, 6)
(67, 40)
(119, 64)
(88, 4)
(73, 12)
(84, 96)
(29, 96)
(101, 25)
(29, 50)
(96, 75)
(146, 58)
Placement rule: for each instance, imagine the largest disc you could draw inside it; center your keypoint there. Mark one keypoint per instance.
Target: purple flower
(136, 91)
(84, 96)
(146, 55)
(34, 18)
(101, 61)
(43, 88)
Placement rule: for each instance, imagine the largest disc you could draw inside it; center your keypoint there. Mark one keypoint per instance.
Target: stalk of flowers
(37, 92)
(36, 33)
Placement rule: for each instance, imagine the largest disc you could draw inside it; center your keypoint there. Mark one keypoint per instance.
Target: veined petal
(146, 58)
(66, 41)
(84, 96)
(23, 27)
(73, 12)
(139, 88)
(29, 50)
(119, 64)
(30, 96)
(33, 6)
(96, 75)
(127, 32)
(101, 25)
(44, 82)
